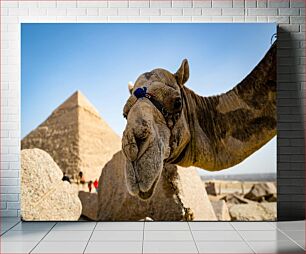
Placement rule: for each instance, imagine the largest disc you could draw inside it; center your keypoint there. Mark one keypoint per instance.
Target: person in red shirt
(96, 183)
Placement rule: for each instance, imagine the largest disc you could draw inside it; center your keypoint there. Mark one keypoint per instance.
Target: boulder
(179, 195)
(253, 212)
(44, 196)
(211, 188)
(233, 198)
(261, 191)
(221, 210)
(90, 204)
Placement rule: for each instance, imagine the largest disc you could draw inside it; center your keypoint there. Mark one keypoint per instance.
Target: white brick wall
(288, 13)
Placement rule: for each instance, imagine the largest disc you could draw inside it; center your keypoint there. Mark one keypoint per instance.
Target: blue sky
(100, 60)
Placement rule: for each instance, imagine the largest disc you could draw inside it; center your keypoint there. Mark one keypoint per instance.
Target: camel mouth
(147, 194)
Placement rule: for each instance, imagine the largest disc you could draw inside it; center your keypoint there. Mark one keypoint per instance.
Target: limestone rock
(221, 210)
(76, 137)
(253, 212)
(261, 191)
(44, 196)
(179, 195)
(89, 204)
(211, 188)
(232, 199)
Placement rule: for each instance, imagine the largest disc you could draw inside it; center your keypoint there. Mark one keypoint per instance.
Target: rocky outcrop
(261, 192)
(76, 137)
(221, 210)
(253, 212)
(179, 195)
(211, 188)
(44, 196)
(233, 199)
(89, 204)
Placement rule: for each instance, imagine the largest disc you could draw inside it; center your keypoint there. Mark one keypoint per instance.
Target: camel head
(156, 127)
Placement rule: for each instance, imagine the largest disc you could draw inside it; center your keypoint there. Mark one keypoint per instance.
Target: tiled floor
(152, 237)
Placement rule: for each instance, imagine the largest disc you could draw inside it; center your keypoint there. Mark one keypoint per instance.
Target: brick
(150, 12)
(10, 189)
(155, 19)
(181, 3)
(128, 11)
(118, 4)
(3, 206)
(139, 4)
(222, 3)
(192, 11)
(139, 19)
(181, 19)
(279, 20)
(108, 11)
(57, 12)
(290, 27)
(222, 19)
(238, 19)
(238, 3)
(38, 11)
(9, 197)
(13, 205)
(171, 11)
(92, 11)
(211, 11)
(9, 173)
(76, 12)
(262, 12)
(250, 3)
(278, 3)
(297, 3)
(202, 3)
(9, 4)
(297, 20)
(262, 3)
(47, 4)
(66, 4)
(8, 181)
(9, 213)
(289, 11)
(233, 12)
(117, 19)
(92, 4)
(262, 19)
(4, 11)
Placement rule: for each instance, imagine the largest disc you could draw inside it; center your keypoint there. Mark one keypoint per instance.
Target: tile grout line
(10, 228)
(291, 239)
(193, 237)
(244, 240)
(42, 238)
(143, 232)
(90, 237)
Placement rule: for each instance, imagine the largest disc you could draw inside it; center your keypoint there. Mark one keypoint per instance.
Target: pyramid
(76, 137)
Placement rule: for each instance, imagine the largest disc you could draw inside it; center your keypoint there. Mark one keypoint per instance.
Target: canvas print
(154, 122)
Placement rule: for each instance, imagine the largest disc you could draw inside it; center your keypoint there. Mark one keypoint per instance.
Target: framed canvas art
(156, 122)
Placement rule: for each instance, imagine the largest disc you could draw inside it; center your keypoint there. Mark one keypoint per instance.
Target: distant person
(66, 178)
(82, 178)
(96, 184)
(90, 185)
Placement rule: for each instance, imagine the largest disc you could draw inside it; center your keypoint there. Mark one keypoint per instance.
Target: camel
(169, 123)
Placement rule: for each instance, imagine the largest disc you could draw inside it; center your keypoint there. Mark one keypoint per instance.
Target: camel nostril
(139, 141)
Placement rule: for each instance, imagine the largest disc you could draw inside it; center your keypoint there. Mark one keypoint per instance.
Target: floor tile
(273, 235)
(79, 226)
(166, 226)
(69, 236)
(291, 225)
(120, 226)
(33, 226)
(114, 247)
(253, 226)
(297, 235)
(99, 236)
(225, 247)
(23, 236)
(9, 219)
(167, 236)
(276, 247)
(221, 226)
(60, 247)
(17, 247)
(216, 236)
(169, 247)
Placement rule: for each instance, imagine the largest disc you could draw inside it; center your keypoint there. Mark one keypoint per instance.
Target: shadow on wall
(290, 137)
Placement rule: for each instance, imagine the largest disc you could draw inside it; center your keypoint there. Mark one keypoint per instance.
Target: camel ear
(130, 87)
(182, 74)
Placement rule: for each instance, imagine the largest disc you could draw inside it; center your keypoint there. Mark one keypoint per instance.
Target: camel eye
(177, 103)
